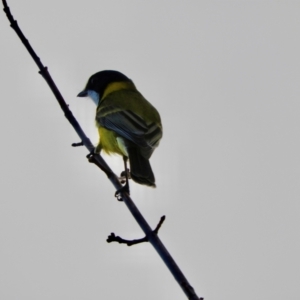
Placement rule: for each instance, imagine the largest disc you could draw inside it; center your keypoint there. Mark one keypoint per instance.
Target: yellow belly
(108, 142)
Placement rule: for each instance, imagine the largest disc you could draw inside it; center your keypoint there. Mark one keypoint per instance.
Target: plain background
(225, 77)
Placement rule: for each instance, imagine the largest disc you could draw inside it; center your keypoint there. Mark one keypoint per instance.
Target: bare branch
(113, 238)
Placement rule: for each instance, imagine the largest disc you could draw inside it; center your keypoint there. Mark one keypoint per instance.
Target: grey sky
(225, 77)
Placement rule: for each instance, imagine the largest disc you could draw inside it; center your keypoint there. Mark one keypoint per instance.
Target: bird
(127, 123)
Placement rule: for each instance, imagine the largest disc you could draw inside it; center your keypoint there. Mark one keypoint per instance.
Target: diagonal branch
(64, 106)
(99, 161)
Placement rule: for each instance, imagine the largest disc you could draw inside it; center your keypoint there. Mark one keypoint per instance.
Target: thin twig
(113, 238)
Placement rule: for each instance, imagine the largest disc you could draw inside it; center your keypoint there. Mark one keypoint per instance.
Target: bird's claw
(90, 155)
(122, 177)
(119, 192)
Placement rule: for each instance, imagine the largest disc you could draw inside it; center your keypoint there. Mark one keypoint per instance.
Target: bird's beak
(83, 94)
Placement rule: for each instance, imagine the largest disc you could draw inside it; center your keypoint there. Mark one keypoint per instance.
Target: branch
(99, 161)
(114, 238)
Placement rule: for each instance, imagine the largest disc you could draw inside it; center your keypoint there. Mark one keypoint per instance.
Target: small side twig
(77, 144)
(113, 238)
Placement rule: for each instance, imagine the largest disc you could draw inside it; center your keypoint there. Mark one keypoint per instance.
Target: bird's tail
(140, 168)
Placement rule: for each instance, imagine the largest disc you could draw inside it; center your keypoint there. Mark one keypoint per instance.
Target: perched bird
(127, 123)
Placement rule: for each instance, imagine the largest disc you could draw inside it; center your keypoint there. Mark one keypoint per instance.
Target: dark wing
(130, 126)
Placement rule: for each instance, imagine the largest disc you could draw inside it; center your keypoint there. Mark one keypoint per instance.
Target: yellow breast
(109, 143)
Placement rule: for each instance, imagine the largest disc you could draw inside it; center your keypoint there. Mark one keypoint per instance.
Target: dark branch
(114, 238)
(162, 219)
(98, 160)
(15, 26)
(77, 144)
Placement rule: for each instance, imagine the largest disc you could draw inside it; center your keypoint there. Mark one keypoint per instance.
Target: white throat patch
(94, 96)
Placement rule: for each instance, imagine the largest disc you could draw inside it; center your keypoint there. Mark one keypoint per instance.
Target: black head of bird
(99, 82)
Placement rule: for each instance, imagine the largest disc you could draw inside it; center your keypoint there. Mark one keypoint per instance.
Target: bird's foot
(92, 153)
(122, 177)
(90, 156)
(119, 192)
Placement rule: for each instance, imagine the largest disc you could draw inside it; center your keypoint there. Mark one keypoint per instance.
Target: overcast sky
(225, 77)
